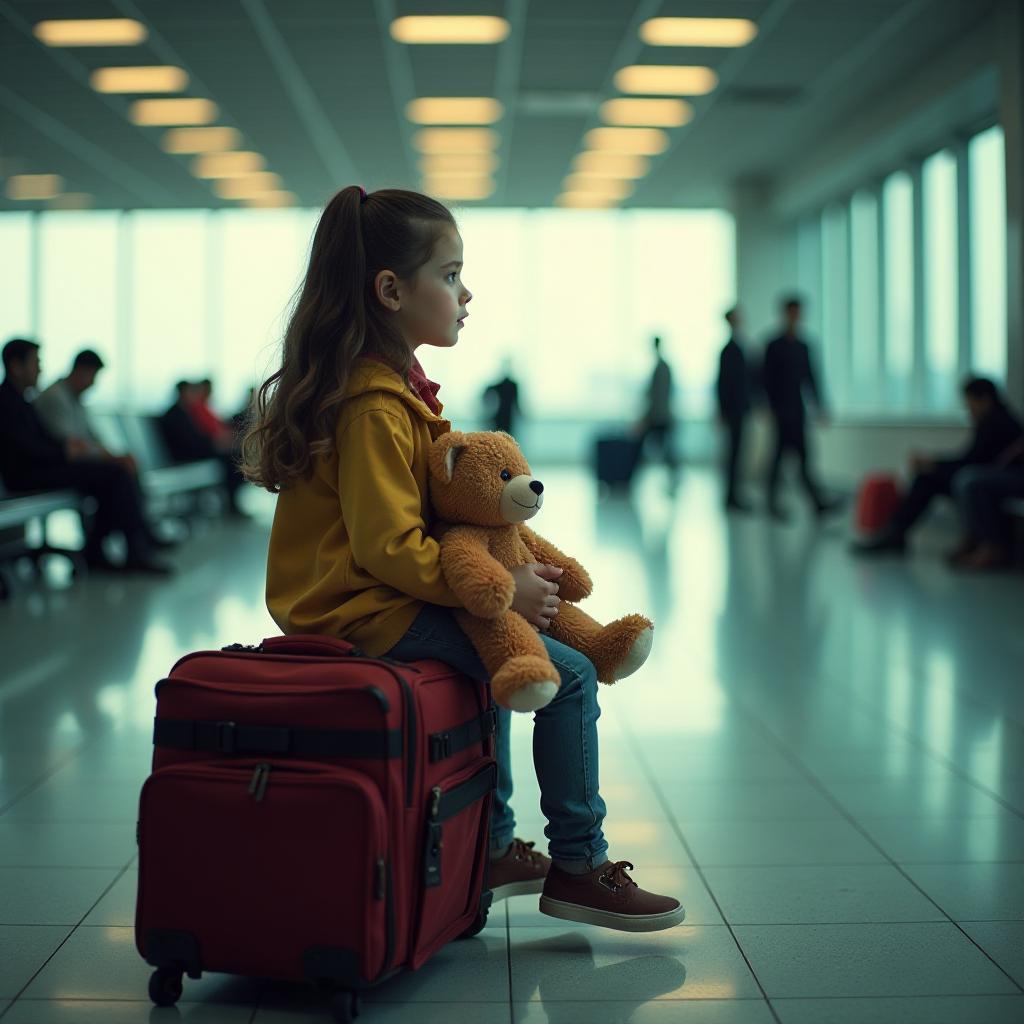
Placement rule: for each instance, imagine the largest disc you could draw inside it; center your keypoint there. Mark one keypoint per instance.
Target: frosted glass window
(15, 276)
(259, 258)
(835, 272)
(898, 231)
(940, 279)
(78, 296)
(864, 300)
(987, 205)
(170, 285)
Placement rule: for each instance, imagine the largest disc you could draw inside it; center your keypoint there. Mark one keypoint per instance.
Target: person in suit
(503, 396)
(734, 401)
(786, 377)
(658, 422)
(32, 459)
(996, 433)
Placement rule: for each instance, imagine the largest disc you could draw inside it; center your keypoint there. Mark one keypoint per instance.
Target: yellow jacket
(350, 551)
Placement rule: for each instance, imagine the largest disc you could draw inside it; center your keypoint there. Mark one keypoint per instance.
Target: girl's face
(433, 303)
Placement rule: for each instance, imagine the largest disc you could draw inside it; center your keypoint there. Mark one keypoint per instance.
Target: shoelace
(615, 876)
(524, 851)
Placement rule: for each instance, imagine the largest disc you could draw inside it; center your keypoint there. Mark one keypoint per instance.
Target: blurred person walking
(658, 423)
(733, 391)
(503, 396)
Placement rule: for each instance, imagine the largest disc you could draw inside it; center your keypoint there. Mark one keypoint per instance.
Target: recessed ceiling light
(227, 165)
(247, 186)
(614, 188)
(72, 201)
(446, 187)
(34, 186)
(177, 111)
(641, 141)
(666, 79)
(612, 165)
(446, 163)
(91, 32)
(474, 29)
(272, 200)
(200, 140)
(456, 140)
(142, 79)
(662, 113)
(697, 31)
(454, 110)
(584, 201)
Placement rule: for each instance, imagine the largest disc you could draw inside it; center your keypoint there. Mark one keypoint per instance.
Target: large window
(940, 280)
(898, 319)
(835, 295)
(864, 309)
(78, 301)
(16, 284)
(572, 298)
(987, 178)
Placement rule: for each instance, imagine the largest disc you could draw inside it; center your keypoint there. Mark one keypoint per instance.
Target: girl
(341, 433)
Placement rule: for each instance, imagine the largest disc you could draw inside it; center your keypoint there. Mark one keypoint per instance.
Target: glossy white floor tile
(824, 759)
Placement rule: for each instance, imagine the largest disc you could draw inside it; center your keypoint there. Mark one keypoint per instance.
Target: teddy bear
(482, 493)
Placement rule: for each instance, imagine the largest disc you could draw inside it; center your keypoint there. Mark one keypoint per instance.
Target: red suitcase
(877, 501)
(313, 813)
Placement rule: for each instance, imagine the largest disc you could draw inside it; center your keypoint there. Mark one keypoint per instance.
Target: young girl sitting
(341, 433)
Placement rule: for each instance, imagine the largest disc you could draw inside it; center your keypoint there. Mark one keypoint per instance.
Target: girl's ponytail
(335, 319)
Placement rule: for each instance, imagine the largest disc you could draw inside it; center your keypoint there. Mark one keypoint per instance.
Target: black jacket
(993, 434)
(733, 386)
(25, 444)
(185, 441)
(785, 375)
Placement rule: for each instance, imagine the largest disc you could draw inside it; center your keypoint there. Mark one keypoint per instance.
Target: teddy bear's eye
(506, 475)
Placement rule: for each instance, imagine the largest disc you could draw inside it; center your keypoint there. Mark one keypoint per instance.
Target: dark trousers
(924, 489)
(791, 438)
(734, 427)
(980, 492)
(114, 489)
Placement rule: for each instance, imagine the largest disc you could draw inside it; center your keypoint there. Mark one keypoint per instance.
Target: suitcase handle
(310, 644)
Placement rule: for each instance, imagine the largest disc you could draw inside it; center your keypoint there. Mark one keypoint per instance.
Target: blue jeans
(564, 741)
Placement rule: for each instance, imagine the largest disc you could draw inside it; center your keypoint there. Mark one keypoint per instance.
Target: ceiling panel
(319, 88)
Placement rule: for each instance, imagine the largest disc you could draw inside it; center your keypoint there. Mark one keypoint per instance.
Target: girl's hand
(536, 597)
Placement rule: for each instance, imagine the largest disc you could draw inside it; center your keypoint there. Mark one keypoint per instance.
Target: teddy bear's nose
(536, 486)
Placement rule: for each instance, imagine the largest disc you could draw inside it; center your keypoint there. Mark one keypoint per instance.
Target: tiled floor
(823, 758)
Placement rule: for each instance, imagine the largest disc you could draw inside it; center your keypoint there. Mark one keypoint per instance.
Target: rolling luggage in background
(313, 814)
(616, 458)
(877, 500)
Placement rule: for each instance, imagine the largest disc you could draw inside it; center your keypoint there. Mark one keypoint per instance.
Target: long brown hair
(336, 319)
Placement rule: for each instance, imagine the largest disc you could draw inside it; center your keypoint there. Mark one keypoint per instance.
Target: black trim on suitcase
(232, 738)
(444, 806)
(452, 741)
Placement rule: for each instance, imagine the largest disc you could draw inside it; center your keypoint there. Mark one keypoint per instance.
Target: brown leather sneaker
(609, 898)
(521, 872)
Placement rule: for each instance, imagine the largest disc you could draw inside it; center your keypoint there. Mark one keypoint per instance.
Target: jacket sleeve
(811, 380)
(381, 505)
(22, 429)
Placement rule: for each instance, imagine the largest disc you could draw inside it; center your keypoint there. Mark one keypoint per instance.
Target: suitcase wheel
(477, 926)
(165, 986)
(345, 1006)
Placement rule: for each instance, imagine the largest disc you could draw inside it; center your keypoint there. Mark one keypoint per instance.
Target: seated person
(206, 420)
(63, 414)
(980, 492)
(32, 459)
(995, 429)
(187, 443)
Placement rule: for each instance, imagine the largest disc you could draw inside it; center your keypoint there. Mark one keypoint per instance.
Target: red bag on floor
(877, 501)
(313, 813)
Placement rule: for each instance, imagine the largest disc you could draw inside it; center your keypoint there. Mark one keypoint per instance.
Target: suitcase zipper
(259, 782)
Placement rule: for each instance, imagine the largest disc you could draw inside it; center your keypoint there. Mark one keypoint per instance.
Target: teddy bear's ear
(443, 453)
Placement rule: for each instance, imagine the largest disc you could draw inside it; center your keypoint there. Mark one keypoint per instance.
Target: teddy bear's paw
(637, 654)
(525, 683)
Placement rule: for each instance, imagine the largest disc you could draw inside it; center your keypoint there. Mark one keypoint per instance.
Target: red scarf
(424, 388)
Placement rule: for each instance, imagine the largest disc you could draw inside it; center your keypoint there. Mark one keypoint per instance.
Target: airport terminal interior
(822, 758)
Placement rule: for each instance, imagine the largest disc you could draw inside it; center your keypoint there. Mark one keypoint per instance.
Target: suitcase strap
(231, 738)
(451, 741)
